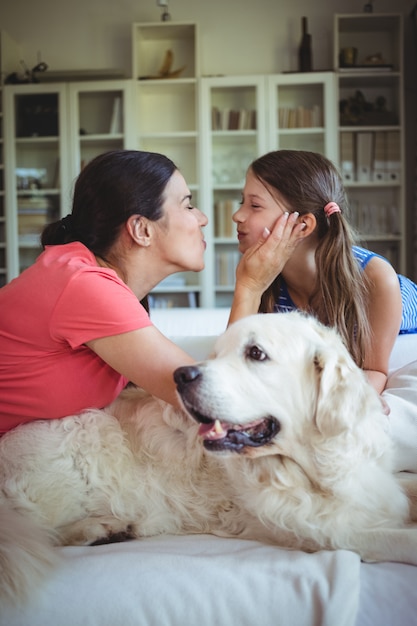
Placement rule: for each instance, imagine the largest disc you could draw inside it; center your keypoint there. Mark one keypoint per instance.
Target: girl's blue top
(363, 256)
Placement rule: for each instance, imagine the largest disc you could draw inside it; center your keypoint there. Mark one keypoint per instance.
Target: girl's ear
(139, 229)
(310, 223)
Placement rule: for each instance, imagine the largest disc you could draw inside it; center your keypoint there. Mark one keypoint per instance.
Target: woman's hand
(262, 263)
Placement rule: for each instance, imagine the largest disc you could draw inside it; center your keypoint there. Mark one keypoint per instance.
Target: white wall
(236, 36)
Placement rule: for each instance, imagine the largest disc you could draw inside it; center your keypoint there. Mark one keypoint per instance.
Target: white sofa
(207, 581)
(196, 329)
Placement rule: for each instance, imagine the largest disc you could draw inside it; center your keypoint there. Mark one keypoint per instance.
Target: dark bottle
(305, 57)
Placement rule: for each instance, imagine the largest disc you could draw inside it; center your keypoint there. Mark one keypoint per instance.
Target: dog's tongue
(213, 430)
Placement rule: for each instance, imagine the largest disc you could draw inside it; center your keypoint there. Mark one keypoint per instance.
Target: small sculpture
(165, 69)
(357, 111)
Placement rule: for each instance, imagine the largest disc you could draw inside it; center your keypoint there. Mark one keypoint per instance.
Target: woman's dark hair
(111, 188)
(308, 181)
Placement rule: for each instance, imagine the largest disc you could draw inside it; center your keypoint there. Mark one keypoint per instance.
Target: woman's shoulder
(55, 267)
(72, 272)
(74, 262)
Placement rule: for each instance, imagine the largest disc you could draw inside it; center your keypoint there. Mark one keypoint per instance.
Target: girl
(309, 261)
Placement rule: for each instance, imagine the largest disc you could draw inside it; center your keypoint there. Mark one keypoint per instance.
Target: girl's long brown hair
(307, 181)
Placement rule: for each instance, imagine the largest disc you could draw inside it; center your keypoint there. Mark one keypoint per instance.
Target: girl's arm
(385, 311)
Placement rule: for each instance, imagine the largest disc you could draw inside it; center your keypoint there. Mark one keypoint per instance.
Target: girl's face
(181, 238)
(259, 209)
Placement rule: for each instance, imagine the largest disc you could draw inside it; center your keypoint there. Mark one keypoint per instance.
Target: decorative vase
(305, 56)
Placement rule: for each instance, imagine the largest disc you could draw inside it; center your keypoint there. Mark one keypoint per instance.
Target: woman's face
(181, 235)
(259, 210)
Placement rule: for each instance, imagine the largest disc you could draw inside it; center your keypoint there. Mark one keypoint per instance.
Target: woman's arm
(262, 263)
(145, 357)
(385, 311)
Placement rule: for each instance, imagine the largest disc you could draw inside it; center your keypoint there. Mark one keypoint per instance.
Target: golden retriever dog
(282, 440)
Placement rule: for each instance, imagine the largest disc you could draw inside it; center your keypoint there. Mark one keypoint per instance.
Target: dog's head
(275, 384)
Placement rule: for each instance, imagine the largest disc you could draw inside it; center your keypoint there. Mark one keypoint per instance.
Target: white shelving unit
(212, 128)
(52, 131)
(165, 72)
(37, 150)
(100, 119)
(368, 60)
(242, 118)
(233, 133)
(9, 63)
(303, 112)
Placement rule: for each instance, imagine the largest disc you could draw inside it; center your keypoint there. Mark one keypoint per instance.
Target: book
(224, 119)
(379, 168)
(243, 119)
(233, 119)
(215, 118)
(116, 124)
(393, 155)
(347, 156)
(364, 147)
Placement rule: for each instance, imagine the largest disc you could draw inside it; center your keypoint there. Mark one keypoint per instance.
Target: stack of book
(300, 117)
(233, 119)
(367, 156)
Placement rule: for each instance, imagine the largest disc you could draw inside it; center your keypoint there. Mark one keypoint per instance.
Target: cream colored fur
(323, 481)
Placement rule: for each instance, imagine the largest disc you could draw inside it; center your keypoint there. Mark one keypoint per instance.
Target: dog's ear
(341, 389)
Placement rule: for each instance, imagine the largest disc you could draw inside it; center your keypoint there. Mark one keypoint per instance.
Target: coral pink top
(47, 315)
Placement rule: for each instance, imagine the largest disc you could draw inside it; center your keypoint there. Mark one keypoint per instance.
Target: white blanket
(195, 581)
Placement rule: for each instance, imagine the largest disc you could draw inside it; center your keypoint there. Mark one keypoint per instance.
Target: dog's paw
(95, 531)
(125, 535)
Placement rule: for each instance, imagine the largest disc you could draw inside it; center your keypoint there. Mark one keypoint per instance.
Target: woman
(309, 261)
(72, 329)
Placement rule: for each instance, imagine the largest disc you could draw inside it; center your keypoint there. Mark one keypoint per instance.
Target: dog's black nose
(186, 374)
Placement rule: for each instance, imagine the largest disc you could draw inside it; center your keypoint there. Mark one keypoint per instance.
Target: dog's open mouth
(219, 435)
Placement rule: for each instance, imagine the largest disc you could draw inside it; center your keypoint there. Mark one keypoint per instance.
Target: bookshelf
(165, 66)
(53, 129)
(368, 61)
(212, 128)
(9, 63)
(37, 147)
(100, 119)
(302, 112)
(242, 118)
(233, 133)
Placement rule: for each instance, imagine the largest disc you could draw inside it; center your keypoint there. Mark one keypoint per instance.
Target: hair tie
(330, 208)
(66, 222)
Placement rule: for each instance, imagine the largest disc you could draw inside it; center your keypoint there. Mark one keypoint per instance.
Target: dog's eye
(256, 354)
